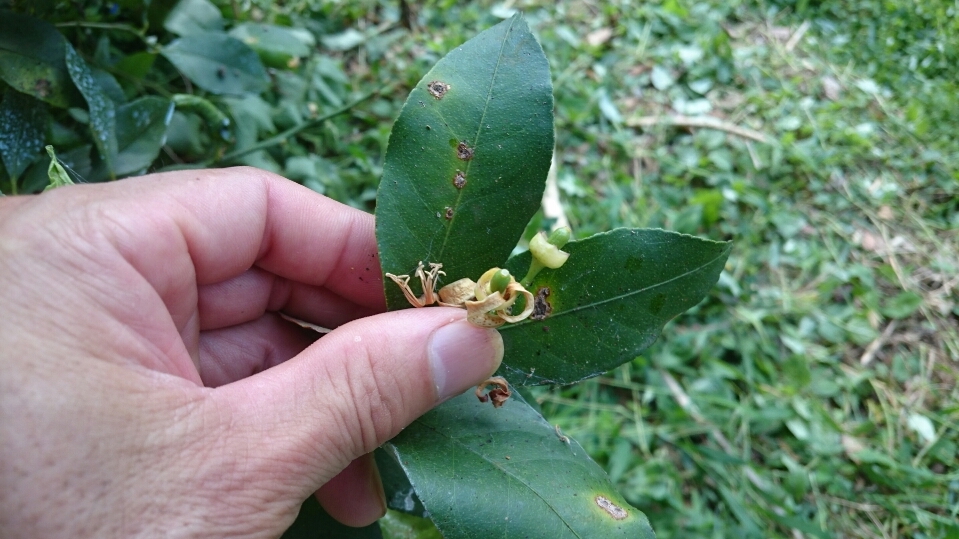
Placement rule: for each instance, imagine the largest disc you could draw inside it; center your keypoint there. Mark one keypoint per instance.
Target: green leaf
(101, 108)
(136, 65)
(194, 17)
(108, 83)
(32, 59)
(484, 112)
(141, 129)
(901, 305)
(505, 472)
(314, 523)
(76, 163)
(23, 121)
(276, 45)
(607, 303)
(400, 494)
(55, 172)
(218, 63)
(396, 525)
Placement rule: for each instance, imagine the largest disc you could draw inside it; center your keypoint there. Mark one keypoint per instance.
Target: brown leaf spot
(449, 213)
(438, 89)
(541, 307)
(42, 88)
(464, 152)
(459, 181)
(499, 394)
(614, 510)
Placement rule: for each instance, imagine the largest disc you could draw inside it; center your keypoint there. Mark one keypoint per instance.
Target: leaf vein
(693, 271)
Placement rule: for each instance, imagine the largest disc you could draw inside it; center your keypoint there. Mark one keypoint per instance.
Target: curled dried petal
(514, 290)
(499, 394)
(482, 288)
(484, 313)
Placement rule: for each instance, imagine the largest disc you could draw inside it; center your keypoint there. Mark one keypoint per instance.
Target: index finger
(231, 219)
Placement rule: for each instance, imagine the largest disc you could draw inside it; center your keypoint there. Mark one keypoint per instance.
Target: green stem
(105, 26)
(281, 137)
(534, 268)
(13, 186)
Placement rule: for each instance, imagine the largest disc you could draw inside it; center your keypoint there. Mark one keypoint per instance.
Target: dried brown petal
(457, 293)
(499, 394)
(482, 313)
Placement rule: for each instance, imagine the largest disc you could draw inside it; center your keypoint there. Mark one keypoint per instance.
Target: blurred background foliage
(812, 394)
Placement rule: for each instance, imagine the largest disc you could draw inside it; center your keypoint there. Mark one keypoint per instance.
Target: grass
(814, 393)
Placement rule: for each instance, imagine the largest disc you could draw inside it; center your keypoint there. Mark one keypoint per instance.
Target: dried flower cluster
(488, 302)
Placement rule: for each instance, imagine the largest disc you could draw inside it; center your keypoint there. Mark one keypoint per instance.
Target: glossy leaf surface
(607, 303)
(103, 120)
(32, 59)
(141, 128)
(23, 121)
(467, 158)
(218, 63)
(276, 45)
(194, 17)
(505, 472)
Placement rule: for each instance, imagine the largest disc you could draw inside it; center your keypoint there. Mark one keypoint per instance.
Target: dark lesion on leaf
(463, 151)
(448, 213)
(42, 88)
(541, 307)
(459, 180)
(615, 511)
(499, 394)
(437, 89)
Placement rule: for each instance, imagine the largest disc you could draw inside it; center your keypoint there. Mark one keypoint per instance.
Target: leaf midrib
(724, 252)
(475, 142)
(505, 472)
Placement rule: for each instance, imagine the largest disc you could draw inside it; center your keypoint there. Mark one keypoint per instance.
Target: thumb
(353, 390)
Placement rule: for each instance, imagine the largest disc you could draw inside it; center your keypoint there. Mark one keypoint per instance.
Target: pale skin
(149, 387)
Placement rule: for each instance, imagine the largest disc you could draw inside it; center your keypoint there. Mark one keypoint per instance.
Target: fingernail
(463, 355)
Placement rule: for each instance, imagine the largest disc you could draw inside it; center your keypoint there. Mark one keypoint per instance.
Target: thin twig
(870, 353)
(304, 324)
(687, 404)
(797, 35)
(706, 122)
(293, 131)
(119, 27)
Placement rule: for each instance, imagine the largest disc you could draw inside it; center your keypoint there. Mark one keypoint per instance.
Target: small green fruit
(500, 281)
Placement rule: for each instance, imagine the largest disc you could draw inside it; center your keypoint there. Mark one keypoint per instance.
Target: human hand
(148, 386)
